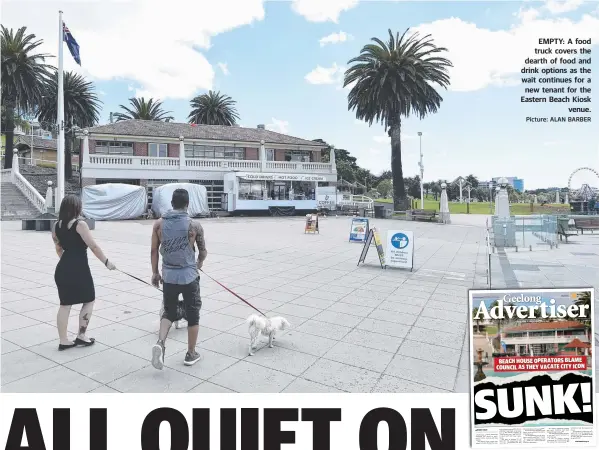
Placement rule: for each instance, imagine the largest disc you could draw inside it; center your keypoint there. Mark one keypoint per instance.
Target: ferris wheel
(585, 192)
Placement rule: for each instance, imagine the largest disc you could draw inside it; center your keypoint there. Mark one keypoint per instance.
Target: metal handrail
(488, 245)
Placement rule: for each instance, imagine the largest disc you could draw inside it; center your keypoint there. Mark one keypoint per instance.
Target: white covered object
(198, 198)
(114, 201)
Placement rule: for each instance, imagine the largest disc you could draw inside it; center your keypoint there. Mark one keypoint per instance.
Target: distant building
(486, 184)
(540, 338)
(515, 182)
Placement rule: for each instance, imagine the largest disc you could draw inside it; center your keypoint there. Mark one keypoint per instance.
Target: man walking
(176, 235)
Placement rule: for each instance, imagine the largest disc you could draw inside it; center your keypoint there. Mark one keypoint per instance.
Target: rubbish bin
(379, 212)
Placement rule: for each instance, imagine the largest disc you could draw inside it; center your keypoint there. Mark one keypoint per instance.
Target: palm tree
(23, 75)
(144, 110)
(584, 299)
(393, 80)
(476, 319)
(19, 121)
(81, 109)
(213, 108)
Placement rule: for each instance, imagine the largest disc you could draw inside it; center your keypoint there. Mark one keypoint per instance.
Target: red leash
(217, 282)
(231, 292)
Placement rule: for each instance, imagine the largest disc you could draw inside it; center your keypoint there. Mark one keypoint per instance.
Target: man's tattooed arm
(196, 232)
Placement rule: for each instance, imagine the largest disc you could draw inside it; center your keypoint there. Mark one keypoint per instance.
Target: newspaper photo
(532, 368)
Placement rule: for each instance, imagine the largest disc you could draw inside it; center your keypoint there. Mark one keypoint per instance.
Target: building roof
(156, 129)
(545, 326)
(577, 343)
(38, 142)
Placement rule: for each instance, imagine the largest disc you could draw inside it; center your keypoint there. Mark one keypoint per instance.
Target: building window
(114, 148)
(298, 155)
(270, 154)
(214, 152)
(158, 150)
(251, 190)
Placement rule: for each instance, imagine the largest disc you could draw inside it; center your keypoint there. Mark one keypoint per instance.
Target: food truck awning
(280, 177)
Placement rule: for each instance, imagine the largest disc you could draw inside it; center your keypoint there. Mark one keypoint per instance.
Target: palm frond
(143, 110)
(213, 108)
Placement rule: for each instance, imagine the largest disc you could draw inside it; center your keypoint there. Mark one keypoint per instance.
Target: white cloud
(562, 6)
(280, 126)
(326, 75)
(127, 40)
(335, 38)
(322, 10)
(102, 93)
(483, 58)
(224, 69)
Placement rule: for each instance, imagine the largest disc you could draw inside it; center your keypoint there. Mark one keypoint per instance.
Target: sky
(283, 62)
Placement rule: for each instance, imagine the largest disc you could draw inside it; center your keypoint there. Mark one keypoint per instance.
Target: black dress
(72, 275)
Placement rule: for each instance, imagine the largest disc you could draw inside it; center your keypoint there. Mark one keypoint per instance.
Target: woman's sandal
(85, 343)
(62, 347)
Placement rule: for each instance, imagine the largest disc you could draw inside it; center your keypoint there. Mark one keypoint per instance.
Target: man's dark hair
(180, 199)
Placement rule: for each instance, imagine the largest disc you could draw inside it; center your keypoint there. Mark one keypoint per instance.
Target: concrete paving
(354, 329)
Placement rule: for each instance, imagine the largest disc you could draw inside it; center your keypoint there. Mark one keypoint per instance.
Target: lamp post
(31, 152)
(421, 173)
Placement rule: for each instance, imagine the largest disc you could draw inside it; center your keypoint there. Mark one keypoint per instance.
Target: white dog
(263, 326)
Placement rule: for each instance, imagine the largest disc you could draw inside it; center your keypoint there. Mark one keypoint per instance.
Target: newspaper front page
(532, 358)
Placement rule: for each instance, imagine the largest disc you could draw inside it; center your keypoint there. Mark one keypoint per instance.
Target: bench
(424, 214)
(564, 230)
(46, 221)
(587, 223)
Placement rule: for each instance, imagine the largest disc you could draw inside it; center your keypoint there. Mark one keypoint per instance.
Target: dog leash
(139, 279)
(217, 282)
(235, 294)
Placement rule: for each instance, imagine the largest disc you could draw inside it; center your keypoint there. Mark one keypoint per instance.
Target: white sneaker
(158, 356)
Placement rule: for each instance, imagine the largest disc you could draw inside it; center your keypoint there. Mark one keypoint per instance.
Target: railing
(525, 232)
(111, 160)
(222, 164)
(97, 161)
(297, 166)
(30, 192)
(488, 246)
(542, 339)
(161, 162)
(358, 201)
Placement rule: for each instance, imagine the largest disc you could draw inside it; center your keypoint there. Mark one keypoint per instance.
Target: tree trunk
(68, 158)
(399, 190)
(9, 136)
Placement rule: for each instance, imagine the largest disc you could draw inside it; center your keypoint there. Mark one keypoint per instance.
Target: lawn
(517, 209)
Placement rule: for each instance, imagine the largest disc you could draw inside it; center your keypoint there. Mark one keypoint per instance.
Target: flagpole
(60, 119)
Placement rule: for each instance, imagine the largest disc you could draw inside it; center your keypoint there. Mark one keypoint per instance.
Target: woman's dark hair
(70, 208)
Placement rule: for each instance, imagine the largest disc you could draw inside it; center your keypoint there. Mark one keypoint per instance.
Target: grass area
(492, 330)
(517, 209)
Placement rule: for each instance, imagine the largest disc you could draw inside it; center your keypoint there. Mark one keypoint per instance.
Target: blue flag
(71, 43)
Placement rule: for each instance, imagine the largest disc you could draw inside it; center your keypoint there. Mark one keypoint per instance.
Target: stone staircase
(39, 177)
(14, 205)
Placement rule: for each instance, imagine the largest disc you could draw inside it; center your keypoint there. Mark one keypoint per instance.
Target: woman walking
(73, 277)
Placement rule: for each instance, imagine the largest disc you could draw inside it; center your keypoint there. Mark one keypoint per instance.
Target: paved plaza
(354, 329)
